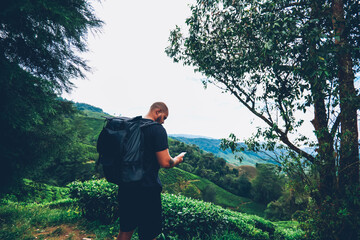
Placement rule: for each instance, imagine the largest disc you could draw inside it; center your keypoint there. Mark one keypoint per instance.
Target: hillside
(213, 146)
(90, 111)
(176, 180)
(88, 210)
(203, 190)
(198, 164)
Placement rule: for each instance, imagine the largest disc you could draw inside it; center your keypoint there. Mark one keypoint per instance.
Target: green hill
(211, 169)
(213, 146)
(176, 180)
(42, 211)
(78, 211)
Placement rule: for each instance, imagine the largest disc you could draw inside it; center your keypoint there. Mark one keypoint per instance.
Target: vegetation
(177, 181)
(39, 44)
(213, 168)
(278, 58)
(239, 158)
(268, 185)
(180, 214)
(281, 59)
(77, 161)
(52, 222)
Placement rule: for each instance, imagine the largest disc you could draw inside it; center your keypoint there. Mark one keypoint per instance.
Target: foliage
(33, 138)
(209, 194)
(214, 146)
(44, 37)
(97, 199)
(39, 44)
(334, 214)
(72, 158)
(288, 204)
(173, 179)
(268, 184)
(34, 192)
(85, 106)
(181, 213)
(281, 59)
(208, 166)
(18, 220)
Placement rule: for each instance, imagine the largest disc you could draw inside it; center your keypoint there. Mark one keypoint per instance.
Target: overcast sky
(131, 71)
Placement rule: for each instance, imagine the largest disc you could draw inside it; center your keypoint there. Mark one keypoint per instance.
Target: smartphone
(183, 153)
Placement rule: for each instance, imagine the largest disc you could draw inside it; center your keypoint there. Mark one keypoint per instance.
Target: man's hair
(159, 105)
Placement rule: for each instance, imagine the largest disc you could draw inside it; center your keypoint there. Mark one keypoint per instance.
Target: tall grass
(18, 221)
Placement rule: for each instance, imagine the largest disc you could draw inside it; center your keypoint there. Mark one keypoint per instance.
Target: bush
(209, 193)
(268, 184)
(187, 218)
(97, 199)
(33, 192)
(184, 218)
(191, 191)
(18, 220)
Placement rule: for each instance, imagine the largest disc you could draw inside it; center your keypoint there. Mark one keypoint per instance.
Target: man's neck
(148, 116)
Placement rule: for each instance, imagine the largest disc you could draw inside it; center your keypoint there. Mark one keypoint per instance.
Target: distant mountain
(188, 136)
(91, 111)
(207, 144)
(85, 106)
(213, 145)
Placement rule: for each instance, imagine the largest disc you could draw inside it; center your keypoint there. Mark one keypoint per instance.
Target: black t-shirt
(155, 140)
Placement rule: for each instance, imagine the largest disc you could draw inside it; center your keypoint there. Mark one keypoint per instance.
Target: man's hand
(179, 158)
(166, 161)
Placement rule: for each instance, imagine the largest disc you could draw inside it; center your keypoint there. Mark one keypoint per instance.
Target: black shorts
(140, 207)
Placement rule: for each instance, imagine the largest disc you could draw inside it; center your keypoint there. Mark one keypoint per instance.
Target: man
(140, 203)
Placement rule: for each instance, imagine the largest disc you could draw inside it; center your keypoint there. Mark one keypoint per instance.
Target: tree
(209, 194)
(39, 46)
(44, 37)
(268, 185)
(281, 58)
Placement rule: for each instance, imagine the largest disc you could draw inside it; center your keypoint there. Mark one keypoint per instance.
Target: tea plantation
(88, 210)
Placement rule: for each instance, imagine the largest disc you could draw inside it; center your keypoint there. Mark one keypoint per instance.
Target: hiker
(140, 203)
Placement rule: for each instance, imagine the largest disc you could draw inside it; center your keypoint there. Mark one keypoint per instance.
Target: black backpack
(121, 146)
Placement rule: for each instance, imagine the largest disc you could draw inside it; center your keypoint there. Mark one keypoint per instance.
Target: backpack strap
(148, 123)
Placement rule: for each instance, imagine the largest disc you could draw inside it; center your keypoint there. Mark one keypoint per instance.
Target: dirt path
(63, 232)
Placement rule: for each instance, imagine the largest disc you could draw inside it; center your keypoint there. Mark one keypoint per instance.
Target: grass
(19, 221)
(171, 177)
(62, 219)
(33, 221)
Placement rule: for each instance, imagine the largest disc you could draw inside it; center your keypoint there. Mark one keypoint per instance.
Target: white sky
(131, 71)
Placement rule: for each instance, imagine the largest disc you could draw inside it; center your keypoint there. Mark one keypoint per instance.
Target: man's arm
(166, 161)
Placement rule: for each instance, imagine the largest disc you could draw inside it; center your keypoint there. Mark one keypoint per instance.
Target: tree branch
(283, 136)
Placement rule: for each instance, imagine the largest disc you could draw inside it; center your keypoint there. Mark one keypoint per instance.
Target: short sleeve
(160, 138)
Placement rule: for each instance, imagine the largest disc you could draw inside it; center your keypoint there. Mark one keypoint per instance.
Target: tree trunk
(349, 150)
(348, 172)
(325, 158)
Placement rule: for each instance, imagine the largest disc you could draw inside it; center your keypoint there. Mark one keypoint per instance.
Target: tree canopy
(280, 58)
(40, 43)
(45, 37)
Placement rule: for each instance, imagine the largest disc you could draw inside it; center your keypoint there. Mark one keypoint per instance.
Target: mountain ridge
(212, 145)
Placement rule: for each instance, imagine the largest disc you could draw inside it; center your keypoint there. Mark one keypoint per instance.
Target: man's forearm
(173, 162)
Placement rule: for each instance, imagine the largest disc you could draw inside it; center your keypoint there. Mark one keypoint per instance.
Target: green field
(48, 212)
(170, 177)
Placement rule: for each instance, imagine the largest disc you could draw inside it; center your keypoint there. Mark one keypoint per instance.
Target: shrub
(97, 199)
(184, 218)
(268, 184)
(18, 219)
(191, 191)
(30, 191)
(209, 193)
(187, 217)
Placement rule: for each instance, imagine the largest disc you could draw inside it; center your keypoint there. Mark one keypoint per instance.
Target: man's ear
(158, 111)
